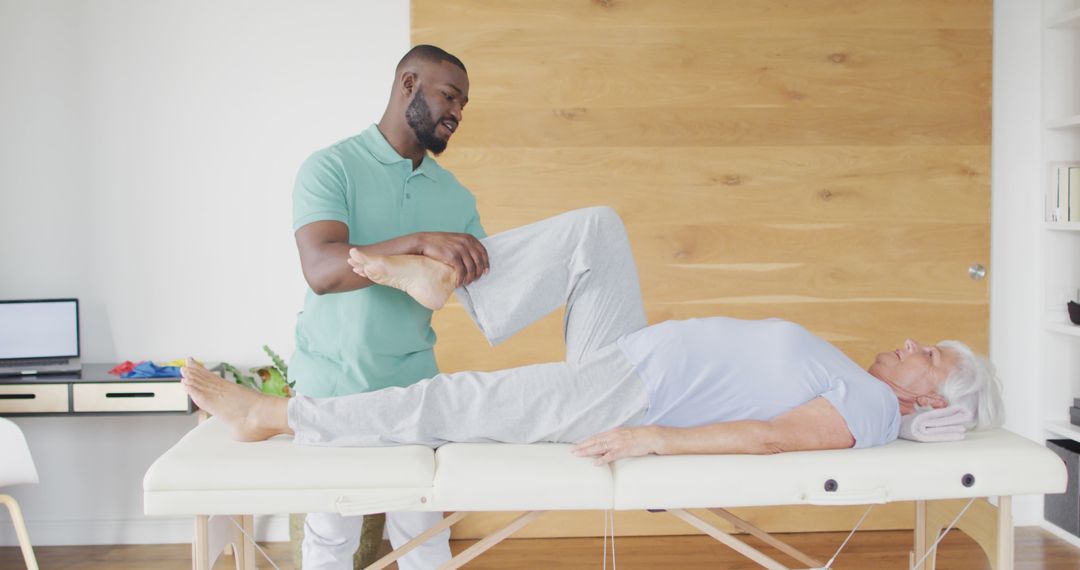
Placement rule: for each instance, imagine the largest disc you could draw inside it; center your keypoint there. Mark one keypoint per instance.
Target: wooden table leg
(200, 554)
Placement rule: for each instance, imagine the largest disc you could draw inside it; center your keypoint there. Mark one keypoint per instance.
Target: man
(714, 385)
(381, 193)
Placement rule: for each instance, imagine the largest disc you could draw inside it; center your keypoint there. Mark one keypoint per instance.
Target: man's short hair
(429, 53)
(974, 385)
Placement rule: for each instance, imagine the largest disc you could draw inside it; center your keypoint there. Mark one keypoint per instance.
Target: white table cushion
(1001, 463)
(505, 477)
(206, 472)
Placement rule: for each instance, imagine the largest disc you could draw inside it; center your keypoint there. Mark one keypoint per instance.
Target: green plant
(271, 379)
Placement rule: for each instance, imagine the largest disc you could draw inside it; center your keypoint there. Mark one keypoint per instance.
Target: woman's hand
(621, 442)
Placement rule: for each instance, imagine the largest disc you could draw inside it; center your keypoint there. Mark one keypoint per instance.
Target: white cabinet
(1060, 241)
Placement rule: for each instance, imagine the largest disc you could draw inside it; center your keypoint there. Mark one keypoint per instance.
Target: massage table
(220, 481)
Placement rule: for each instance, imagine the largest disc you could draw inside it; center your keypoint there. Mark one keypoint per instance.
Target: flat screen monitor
(47, 328)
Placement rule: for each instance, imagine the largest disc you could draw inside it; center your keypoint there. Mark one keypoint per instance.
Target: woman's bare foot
(428, 281)
(252, 416)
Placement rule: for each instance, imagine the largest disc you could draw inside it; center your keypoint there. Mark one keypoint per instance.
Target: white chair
(16, 468)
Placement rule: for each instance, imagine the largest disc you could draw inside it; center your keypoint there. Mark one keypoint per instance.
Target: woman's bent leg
(581, 259)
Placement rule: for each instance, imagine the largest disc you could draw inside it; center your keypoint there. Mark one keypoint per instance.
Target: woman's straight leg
(554, 402)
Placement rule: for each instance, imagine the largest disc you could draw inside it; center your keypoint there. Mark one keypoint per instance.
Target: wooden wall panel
(824, 161)
(781, 16)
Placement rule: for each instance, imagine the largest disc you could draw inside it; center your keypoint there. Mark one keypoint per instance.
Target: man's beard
(418, 117)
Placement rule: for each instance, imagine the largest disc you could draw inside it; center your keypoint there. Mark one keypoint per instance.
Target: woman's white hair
(973, 384)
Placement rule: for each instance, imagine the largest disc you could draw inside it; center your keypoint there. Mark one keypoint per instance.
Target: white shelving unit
(1068, 329)
(1064, 122)
(1070, 18)
(1060, 241)
(1062, 428)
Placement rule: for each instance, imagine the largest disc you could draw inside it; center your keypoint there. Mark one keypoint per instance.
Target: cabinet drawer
(34, 399)
(129, 397)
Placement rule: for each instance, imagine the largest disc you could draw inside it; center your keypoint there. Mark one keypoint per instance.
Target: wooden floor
(1035, 550)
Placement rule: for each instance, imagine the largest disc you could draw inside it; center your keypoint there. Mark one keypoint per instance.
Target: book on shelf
(1062, 194)
(1063, 198)
(1074, 193)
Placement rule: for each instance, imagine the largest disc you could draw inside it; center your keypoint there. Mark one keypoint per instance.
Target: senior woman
(711, 385)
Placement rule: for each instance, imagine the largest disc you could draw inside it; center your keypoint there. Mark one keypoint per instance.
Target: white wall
(1015, 309)
(147, 154)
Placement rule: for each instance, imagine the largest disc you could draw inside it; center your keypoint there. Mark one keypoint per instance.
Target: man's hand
(621, 442)
(463, 252)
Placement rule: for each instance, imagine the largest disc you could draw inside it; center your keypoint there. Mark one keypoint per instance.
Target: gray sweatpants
(581, 259)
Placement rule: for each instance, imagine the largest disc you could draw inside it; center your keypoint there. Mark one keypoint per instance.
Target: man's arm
(813, 425)
(324, 248)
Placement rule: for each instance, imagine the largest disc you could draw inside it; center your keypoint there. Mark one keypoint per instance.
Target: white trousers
(580, 259)
(330, 540)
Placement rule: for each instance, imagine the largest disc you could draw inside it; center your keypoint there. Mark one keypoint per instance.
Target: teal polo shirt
(374, 337)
